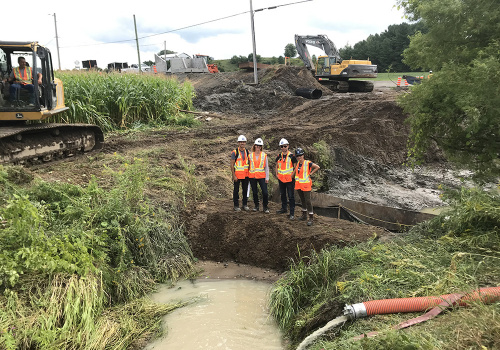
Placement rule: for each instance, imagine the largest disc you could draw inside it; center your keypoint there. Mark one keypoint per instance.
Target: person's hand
(267, 181)
(40, 81)
(235, 178)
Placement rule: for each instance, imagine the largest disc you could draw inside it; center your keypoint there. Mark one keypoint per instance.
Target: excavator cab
(33, 101)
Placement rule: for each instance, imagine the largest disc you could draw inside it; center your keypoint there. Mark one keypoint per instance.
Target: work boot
(310, 222)
(237, 209)
(292, 217)
(246, 208)
(266, 210)
(256, 208)
(304, 215)
(281, 211)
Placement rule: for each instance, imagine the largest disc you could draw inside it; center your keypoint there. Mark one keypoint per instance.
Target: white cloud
(85, 26)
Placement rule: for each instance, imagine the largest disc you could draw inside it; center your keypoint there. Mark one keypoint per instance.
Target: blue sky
(86, 28)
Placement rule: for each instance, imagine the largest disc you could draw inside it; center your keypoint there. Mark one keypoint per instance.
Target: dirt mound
(218, 233)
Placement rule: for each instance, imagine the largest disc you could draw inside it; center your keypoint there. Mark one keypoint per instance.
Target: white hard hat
(283, 142)
(259, 142)
(242, 138)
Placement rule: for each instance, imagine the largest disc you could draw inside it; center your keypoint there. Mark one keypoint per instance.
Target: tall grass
(75, 261)
(115, 100)
(458, 251)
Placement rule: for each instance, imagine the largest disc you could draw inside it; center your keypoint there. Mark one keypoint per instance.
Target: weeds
(457, 251)
(69, 253)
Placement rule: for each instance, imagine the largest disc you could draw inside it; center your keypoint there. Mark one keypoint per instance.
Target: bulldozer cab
(23, 100)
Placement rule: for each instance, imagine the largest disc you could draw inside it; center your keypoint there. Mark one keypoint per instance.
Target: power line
(190, 26)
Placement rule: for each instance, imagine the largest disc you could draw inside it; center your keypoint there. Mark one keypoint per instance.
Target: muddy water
(231, 314)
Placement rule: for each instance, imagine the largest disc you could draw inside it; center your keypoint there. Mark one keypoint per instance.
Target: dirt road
(366, 140)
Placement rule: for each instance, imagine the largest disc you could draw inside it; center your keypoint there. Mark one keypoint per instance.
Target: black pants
(305, 200)
(236, 190)
(287, 188)
(263, 186)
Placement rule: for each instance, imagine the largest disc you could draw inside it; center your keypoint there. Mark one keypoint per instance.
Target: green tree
(458, 108)
(385, 49)
(290, 50)
(148, 63)
(250, 58)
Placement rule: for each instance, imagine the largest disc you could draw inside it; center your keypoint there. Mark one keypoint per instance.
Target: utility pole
(57, 43)
(256, 80)
(137, 42)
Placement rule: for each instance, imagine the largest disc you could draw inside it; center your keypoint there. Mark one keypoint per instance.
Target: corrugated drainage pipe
(391, 306)
(309, 93)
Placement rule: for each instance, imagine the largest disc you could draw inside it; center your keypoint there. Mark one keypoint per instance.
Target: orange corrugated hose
(390, 306)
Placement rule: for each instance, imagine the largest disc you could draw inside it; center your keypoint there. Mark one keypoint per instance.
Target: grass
(455, 252)
(77, 261)
(116, 101)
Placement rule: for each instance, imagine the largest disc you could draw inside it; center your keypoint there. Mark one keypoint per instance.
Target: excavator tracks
(44, 142)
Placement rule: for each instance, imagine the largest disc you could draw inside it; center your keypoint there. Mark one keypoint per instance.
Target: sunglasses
(284, 146)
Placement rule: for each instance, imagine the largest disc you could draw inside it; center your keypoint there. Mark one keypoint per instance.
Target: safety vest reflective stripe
(285, 168)
(302, 179)
(241, 165)
(257, 168)
(24, 76)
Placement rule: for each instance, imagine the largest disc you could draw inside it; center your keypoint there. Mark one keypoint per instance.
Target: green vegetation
(76, 262)
(458, 108)
(457, 251)
(115, 100)
(385, 49)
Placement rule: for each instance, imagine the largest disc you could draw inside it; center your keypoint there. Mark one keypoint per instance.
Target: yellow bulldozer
(29, 95)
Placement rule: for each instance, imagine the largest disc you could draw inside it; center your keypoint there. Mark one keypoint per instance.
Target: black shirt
(292, 157)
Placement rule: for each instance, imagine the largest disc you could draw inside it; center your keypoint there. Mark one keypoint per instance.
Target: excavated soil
(366, 137)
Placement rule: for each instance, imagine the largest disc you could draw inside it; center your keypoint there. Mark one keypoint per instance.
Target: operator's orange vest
(257, 167)
(25, 76)
(241, 165)
(302, 179)
(285, 168)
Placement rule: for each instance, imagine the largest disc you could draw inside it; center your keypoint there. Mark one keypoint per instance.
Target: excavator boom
(331, 70)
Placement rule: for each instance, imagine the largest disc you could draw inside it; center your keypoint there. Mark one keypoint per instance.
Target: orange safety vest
(285, 168)
(302, 179)
(257, 167)
(25, 76)
(241, 165)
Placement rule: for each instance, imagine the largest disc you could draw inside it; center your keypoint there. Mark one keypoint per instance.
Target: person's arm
(276, 167)
(314, 168)
(233, 160)
(266, 167)
(39, 78)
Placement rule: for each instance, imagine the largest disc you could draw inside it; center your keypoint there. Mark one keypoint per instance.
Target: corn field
(113, 101)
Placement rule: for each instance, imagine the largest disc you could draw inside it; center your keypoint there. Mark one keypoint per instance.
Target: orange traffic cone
(398, 82)
(406, 83)
(154, 69)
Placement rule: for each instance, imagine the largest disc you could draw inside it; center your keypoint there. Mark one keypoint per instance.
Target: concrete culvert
(309, 93)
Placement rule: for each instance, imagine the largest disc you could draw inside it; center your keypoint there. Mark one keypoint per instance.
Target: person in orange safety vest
(240, 172)
(22, 78)
(284, 169)
(303, 183)
(259, 174)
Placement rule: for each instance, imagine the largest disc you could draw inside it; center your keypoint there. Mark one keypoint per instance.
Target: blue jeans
(287, 188)
(15, 90)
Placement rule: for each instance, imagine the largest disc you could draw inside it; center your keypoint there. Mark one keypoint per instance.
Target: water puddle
(230, 315)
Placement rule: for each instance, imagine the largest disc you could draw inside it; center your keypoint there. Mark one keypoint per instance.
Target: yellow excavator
(29, 95)
(331, 70)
